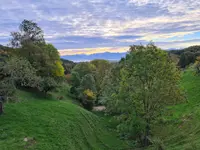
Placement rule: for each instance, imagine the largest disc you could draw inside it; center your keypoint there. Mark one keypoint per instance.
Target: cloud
(164, 45)
(89, 51)
(101, 23)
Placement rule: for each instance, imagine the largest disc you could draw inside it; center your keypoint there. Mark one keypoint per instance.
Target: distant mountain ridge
(106, 55)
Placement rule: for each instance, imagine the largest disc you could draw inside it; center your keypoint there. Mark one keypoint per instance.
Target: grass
(180, 127)
(54, 124)
(60, 124)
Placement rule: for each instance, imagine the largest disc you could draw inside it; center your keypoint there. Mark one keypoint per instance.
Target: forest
(150, 97)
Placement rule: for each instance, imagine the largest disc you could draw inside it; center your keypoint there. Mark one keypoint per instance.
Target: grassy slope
(63, 125)
(181, 129)
(53, 125)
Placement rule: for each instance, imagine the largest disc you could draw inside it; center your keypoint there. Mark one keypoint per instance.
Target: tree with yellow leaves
(197, 65)
(59, 70)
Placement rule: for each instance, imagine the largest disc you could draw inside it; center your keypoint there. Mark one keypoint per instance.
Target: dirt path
(99, 108)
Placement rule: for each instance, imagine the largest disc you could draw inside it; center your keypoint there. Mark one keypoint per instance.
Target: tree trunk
(147, 133)
(1, 107)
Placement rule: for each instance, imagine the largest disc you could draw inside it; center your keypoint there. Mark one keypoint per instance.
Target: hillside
(186, 56)
(51, 124)
(180, 126)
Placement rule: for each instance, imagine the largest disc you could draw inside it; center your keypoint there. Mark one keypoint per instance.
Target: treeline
(187, 56)
(29, 62)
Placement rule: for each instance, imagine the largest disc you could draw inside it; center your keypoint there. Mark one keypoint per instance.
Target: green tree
(44, 58)
(52, 61)
(110, 87)
(75, 81)
(186, 58)
(29, 31)
(17, 72)
(88, 99)
(48, 84)
(84, 68)
(31, 45)
(87, 91)
(88, 82)
(20, 71)
(78, 73)
(82, 79)
(102, 67)
(148, 83)
(36, 56)
(68, 66)
(7, 89)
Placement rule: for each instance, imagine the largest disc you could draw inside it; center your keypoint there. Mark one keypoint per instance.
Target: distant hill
(4, 49)
(4, 52)
(107, 56)
(68, 65)
(193, 49)
(186, 56)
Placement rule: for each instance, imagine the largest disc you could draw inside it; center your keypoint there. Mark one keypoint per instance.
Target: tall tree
(87, 91)
(102, 67)
(29, 31)
(17, 72)
(148, 83)
(88, 82)
(44, 58)
(31, 45)
(110, 87)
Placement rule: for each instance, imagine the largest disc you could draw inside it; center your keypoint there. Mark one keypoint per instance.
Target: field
(38, 123)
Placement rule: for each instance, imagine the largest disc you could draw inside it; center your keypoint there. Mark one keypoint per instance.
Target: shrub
(68, 77)
(48, 84)
(20, 71)
(88, 98)
(197, 65)
(88, 82)
(17, 72)
(7, 89)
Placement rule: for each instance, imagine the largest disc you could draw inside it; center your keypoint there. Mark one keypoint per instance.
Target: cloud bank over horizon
(95, 26)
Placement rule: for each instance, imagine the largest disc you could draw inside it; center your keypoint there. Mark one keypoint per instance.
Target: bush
(88, 98)
(48, 84)
(20, 71)
(17, 72)
(68, 77)
(7, 89)
(88, 82)
(157, 144)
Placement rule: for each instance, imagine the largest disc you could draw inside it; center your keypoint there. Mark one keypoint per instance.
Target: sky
(96, 26)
